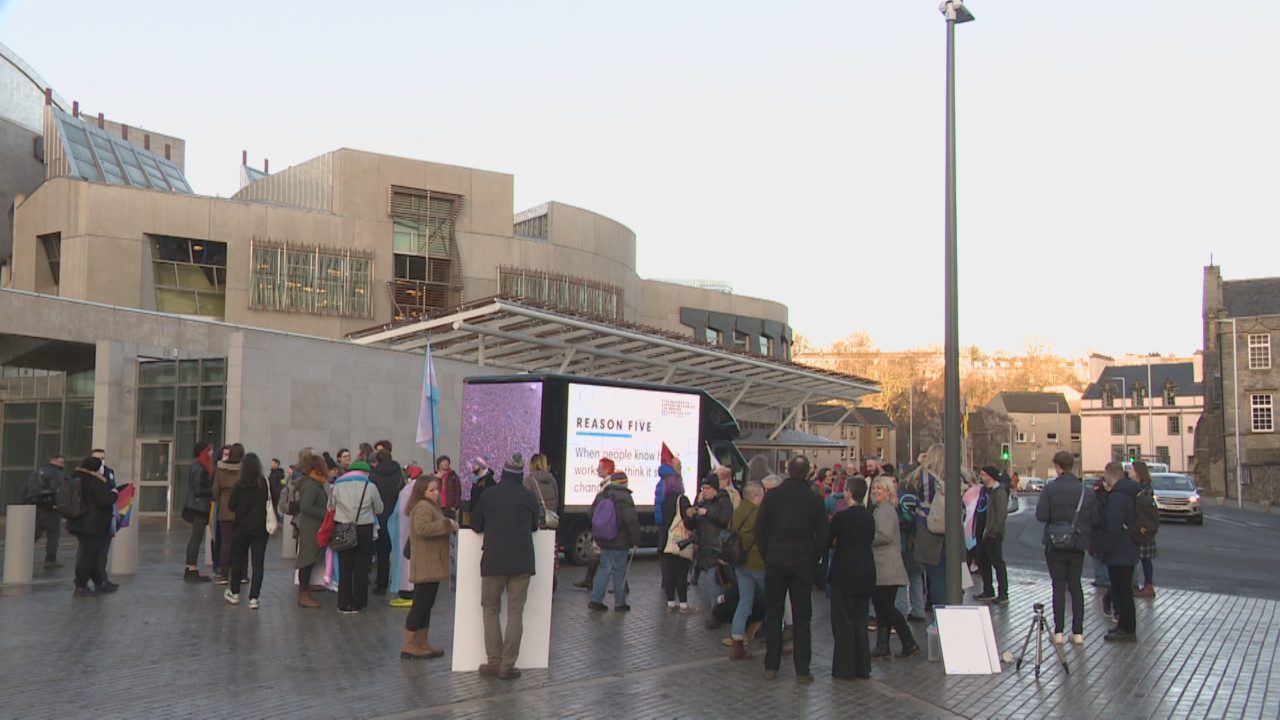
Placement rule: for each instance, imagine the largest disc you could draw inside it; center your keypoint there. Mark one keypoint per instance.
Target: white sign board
(468, 616)
(629, 426)
(968, 640)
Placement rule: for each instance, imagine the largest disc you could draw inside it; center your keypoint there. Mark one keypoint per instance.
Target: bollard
(288, 544)
(124, 551)
(19, 544)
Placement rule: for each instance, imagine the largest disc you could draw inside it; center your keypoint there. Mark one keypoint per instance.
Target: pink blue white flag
(429, 409)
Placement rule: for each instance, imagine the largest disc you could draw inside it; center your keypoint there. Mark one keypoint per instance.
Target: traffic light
(1004, 452)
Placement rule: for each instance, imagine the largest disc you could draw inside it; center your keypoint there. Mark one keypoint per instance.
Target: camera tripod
(1040, 628)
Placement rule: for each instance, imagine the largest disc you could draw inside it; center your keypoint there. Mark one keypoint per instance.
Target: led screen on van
(628, 425)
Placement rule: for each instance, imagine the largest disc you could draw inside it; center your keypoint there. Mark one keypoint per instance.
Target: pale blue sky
(793, 149)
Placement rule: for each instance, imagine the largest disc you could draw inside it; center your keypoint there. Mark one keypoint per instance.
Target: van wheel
(579, 545)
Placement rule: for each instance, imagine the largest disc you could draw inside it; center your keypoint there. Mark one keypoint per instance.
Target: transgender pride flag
(429, 410)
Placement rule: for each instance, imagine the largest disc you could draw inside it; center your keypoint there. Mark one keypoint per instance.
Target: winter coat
(347, 503)
(388, 478)
(853, 565)
(429, 543)
(997, 511)
(507, 516)
(313, 503)
(225, 475)
(791, 527)
(744, 523)
(928, 545)
(887, 547)
(249, 503)
(719, 513)
(99, 503)
(451, 492)
(199, 489)
(543, 483)
(1119, 508)
(1057, 504)
(479, 484)
(42, 486)
(673, 505)
(628, 521)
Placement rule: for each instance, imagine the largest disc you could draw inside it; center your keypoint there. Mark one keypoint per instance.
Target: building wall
(1096, 437)
(1033, 457)
(661, 303)
(20, 173)
(1238, 383)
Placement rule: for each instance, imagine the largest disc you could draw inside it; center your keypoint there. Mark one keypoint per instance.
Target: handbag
(936, 521)
(1062, 536)
(325, 533)
(550, 520)
(273, 524)
(677, 535)
(344, 533)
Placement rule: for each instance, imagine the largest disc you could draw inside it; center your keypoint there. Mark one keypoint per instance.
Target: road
(1235, 552)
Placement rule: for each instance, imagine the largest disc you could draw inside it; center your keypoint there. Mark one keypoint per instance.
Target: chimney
(75, 108)
(48, 96)
(266, 164)
(102, 122)
(166, 151)
(244, 157)
(1197, 367)
(146, 143)
(124, 132)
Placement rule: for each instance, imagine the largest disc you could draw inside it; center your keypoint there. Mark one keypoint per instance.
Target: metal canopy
(524, 337)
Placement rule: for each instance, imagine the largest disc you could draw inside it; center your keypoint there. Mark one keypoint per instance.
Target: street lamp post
(955, 12)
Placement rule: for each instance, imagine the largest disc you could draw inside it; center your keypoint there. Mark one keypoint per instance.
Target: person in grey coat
(1057, 505)
(891, 574)
(313, 503)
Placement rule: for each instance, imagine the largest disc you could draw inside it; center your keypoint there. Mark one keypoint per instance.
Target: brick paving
(161, 648)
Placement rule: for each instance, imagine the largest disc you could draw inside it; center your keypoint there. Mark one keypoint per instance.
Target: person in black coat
(791, 531)
(712, 514)
(249, 529)
(507, 515)
(1119, 510)
(389, 479)
(93, 528)
(853, 582)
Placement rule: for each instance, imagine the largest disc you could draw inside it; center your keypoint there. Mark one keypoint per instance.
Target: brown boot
(739, 651)
(410, 649)
(752, 629)
(1147, 591)
(305, 600)
(420, 639)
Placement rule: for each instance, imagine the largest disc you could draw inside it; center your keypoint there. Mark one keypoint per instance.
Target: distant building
(862, 432)
(1241, 328)
(1041, 425)
(1147, 411)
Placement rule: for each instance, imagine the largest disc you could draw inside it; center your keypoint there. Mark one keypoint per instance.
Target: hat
(711, 482)
(618, 477)
(514, 468)
(481, 462)
(414, 471)
(993, 471)
(360, 465)
(607, 464)
(92, 466)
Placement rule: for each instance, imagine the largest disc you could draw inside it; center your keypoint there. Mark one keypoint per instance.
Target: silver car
(1177, 497)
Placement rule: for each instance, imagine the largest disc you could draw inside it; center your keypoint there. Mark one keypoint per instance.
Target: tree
(859, 341)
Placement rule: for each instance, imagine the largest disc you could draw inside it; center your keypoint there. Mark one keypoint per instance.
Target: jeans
(49, 524)
(502, 648)
(226, 531)
(382, 548)
(241, 544)
(1122, 596)
(90, 555)
(991, 557)
(613, 564)
(1065, 568)
(424, 598)
(751, 585)
(1100, 576)
(851, 656)
(937, 577)
(197, 538)
(353, 571)
(1148, 572)
(781, 582)
(675, 577)
(714, 587)
(910, 600)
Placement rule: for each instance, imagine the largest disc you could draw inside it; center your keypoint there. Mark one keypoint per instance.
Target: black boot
(909, 646)
(882, 643)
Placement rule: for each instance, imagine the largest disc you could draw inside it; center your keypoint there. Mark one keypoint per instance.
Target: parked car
(1177, 497)
(1032, 484)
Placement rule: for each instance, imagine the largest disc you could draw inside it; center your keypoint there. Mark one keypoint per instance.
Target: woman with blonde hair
(930, 548)
(891, 574)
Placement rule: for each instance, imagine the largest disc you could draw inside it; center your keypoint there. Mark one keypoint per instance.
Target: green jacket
(744, 522)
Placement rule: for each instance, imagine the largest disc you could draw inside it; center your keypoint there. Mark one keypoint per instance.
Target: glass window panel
(186, 441)
(212, 395)
(11, 484)
(47, 446)
(166, 274)
(172, 248)
(195, 277)
(80, 384)
(20, 445)
(214, 371)
(211, 426)
(20, 411)
(188, 401)
(152, 498)
(50, 416)
(211, 304)
(408, 236)
(181, 302)
(157, 373)
(77, 433)
(155, 411)
(189, 372)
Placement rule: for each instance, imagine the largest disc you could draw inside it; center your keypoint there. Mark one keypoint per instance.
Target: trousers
(1065, 568)
(49, 524)
(851, 656)
(780, 583)
(503, 647)
(242, 543)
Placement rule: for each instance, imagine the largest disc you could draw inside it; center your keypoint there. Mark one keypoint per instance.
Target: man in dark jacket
(389, 479)
(507, 516)
(110, 476)
(615, 553)
(1057, 505)
(853, 582)
(1119, 510)
(93, 528)
(791, 530)
(993, 510)
(41, 490)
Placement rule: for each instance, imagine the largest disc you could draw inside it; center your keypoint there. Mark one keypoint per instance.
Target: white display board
(629, 426)
(468, 617)
(968, 640)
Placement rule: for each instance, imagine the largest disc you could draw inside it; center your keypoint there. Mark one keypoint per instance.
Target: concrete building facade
(862, 432)
(1149, 411)
(1040, 425)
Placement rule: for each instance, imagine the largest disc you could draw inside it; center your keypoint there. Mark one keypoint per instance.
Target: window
(765, 344)
(191, 275)
(1118, 424)
(1139, 395)
(1260, 352)
(1261, 412)
(1118, 453)
(300, 278)
(879, 435)
(1033, 420)
(534, 228)
(577, 294)
(53, 252)
(1022, 437)
(880, 452)
(1162, 453)
(1108, 396)
(428, 267)
(1175, 425)
(1051, 437)
(739, 340)
(713, 336)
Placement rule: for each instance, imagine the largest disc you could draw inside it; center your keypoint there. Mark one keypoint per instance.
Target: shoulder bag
(272, 522)
(679, 538)
(344, 533)
(550, 520)
(1062, 535)
(731, 549)
(936, 521)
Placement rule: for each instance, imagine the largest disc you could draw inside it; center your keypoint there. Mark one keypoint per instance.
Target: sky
(1106, 150)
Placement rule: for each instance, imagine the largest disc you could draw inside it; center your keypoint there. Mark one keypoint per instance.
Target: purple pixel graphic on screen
(499, 419)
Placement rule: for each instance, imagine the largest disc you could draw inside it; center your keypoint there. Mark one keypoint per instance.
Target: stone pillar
(115, 407)
(123, 559)
(19, 543)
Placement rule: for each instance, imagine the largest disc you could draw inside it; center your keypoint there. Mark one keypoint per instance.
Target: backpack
(907, 512)
(289, 498)
(604, 519)
(71, 497)
(1146, 518)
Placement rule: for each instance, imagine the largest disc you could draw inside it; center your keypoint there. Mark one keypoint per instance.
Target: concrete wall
(661, 302)
(20, 174)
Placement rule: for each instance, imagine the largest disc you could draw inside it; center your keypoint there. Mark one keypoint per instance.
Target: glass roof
(97, 156)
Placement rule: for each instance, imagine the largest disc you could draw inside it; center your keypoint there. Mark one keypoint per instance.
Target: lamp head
(955, 11)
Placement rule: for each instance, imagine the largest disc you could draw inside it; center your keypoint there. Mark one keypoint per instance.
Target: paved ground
(160, 648)
(1191, 556)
